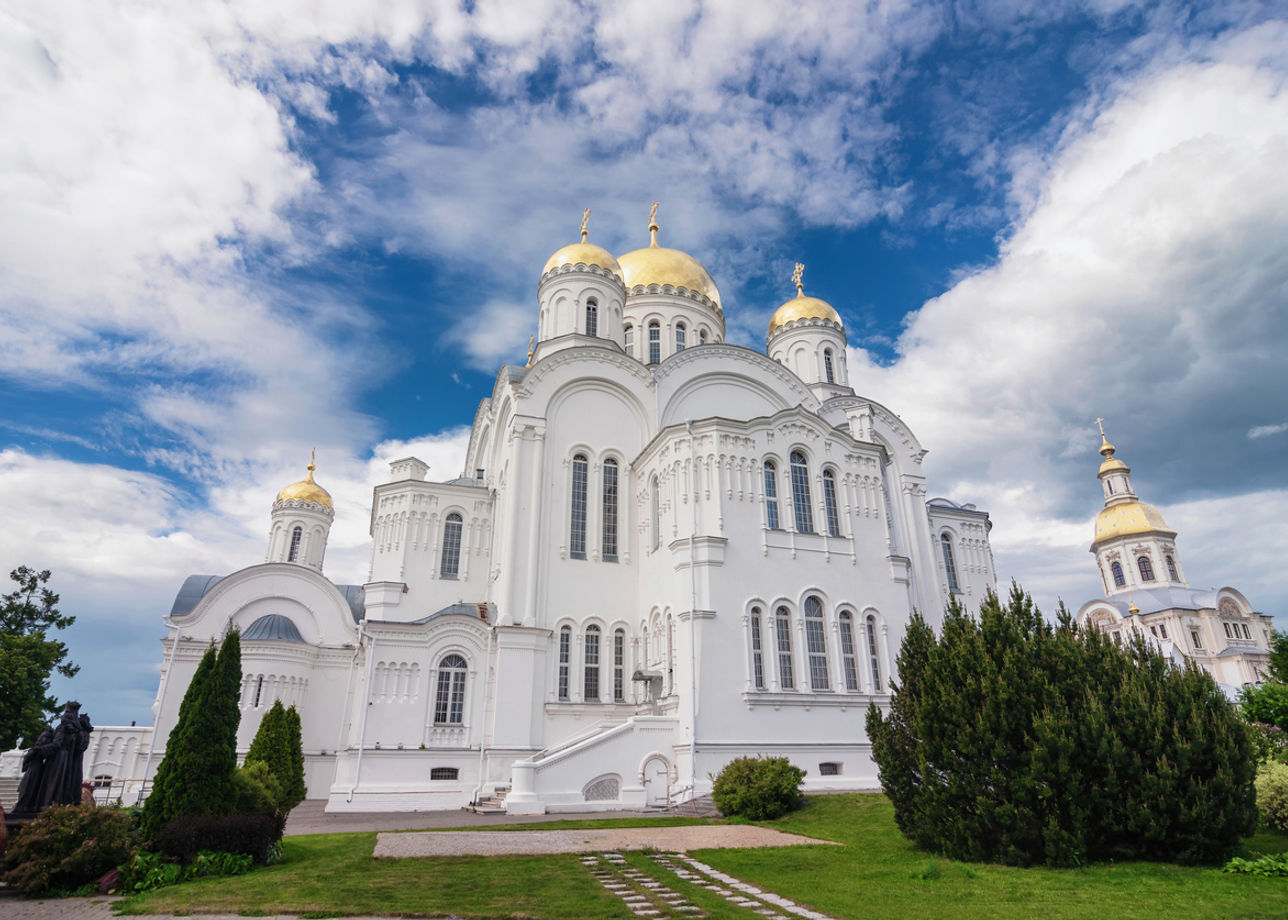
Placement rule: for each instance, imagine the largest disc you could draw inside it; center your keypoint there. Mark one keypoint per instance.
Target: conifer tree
(296, 790)
(277, 745)
(1014, 740)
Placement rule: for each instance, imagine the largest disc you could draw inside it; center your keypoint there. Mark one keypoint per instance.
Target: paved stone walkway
(671, 839)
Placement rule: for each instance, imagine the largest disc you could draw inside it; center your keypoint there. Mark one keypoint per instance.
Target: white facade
(1146, 592)
(664, 552)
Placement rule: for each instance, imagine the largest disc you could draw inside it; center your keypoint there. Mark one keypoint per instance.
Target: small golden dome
(583, 254)
(1129, 518)
(306, 490)
(657, 265)
(1133, 609)
(802, 307)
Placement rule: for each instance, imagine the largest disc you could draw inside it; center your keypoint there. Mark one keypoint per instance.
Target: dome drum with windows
(306, 490)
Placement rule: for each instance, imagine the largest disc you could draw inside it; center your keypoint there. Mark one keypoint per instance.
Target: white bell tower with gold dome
(1134, 547)
(302, 517)
(807, 337)
(581, 297)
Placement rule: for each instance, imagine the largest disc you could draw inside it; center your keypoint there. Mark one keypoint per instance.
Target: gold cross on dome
(1100, 424)
(797, 274)
(585, 218)
(652, 213)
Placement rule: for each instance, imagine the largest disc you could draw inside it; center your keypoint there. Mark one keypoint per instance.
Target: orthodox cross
(585, 218)
(1101, 426)
(797, 273)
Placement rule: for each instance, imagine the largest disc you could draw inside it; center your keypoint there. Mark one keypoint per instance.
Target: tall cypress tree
(277, 745)
(295, 792)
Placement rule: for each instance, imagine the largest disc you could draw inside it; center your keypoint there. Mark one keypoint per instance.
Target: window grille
(679, 336)
(829, 768)
(783, 620)
(577, 537)
(449, 701)
(654, 343)
(757, 652)
(296, 536)
(800, 493)
(609, 512)
(816, 644)
(619, 666)
(847, 651)
(590, 683)
(1146, 568)
(1119, 578)
(592, 317)
(565, 655)
(829, 503)
(444, 773)
(451, 563)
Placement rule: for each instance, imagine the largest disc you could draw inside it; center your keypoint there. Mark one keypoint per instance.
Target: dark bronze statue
(53, 770)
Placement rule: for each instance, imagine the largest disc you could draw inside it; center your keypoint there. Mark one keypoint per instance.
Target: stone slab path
(669, 839)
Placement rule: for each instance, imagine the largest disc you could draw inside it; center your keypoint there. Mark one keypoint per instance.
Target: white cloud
(1265, 431)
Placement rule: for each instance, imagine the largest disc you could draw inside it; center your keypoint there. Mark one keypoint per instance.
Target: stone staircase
(8, 792)
(493, 804)
(701, 807)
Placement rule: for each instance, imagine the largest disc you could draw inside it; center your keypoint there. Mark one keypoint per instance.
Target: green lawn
(876, 874)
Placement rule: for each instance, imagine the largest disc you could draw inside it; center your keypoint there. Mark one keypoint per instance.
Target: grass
(875, 874)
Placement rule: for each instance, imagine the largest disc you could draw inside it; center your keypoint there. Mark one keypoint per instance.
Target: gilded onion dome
(661, 266)
(583, 253)
(802, 307)
(306, 490)
(1130, 518)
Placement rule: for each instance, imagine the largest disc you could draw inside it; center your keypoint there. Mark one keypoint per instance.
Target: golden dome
(583, 254)
(306, 490)
(658, 265)
(802, 307)
(1129, 518)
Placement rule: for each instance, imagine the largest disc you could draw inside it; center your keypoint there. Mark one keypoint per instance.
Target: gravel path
(671, 839)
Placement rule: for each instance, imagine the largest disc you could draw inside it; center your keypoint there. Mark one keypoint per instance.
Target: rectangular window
(874, 658)
(619, 666)
(800, 494)
(1162, 630)
(443, 773)
(830, 768)
(577, 537)
(786, 679)
(630, 341)
(817, 648)
(771, 496)
(757, 653)
(1227, 631)
(565, 653)
(591, 682)
(610, 511)
(1246, 634)
(847, 653)
(654, 343)
(829, 502)
(1194, 636)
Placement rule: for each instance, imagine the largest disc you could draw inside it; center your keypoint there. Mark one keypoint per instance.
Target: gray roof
(1152, 600)
(194, 588)
(274, 626)
(487, 614)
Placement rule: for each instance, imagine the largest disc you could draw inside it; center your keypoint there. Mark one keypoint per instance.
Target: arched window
(800, 493)
(630, 340)
(296, 536)
(847, 651)
(619, 666)
(874, 659)
(1146, 569)
(702, 336)
(771, 495)
(950, 566)
(829, 503)
(783, 625)
(592, 317)
(590, 675)
(449, 701)
(655, 512)
(1119, 578)
(450, 566)
(1171, 568)
(577, 531)
(654, 342)
(565, 659)
(816, 644)
(757, 651)
(828, 373)
(608, 512)
(679, 336)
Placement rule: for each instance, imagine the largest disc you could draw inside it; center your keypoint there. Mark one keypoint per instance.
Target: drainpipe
(165, 685)
(693, 617)
(362, 730)
(487, 690)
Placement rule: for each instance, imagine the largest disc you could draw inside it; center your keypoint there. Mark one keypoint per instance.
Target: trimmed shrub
(1272, 795)
(249, 834)
(1012, 740)
(68, 846)
(758, 788)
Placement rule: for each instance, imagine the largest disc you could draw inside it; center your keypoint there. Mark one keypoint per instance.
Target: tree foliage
(197, 774)
(278, 746)
(28, 656)
(1267, 703)
(1278, 666)
(1012, 740)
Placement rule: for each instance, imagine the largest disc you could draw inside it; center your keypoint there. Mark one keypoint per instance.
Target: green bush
(147, 871)
(251, 834)
(1270, 742)
(1271, 866)
(1013, 740)
(67, 846)
(277, 746)
(1267, 703)
(1272, 794)
(759, 788)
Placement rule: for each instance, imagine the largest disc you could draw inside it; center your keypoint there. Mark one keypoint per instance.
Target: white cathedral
(666, 552)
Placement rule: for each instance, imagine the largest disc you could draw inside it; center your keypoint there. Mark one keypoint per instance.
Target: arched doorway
(657, 781)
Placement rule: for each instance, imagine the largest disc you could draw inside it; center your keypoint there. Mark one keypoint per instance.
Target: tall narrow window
(296, 536)
(800, 494)
(577, 534)
(783, 623)
(592, 317)
(449, 701)
(829, 503)
(1194, 636)
(874, 659)
(702, 336)
(828, 372)
(950, 566)
(450, 566)
(590, 681)
(816, 644)
(1171, 569)
(619, 666)
(757, 651)
(1146, 568)
(630, 340)
(654, 342)
(1119, 578)
(847, 651)
(655, 512)
(771, 495)
(565, 659)
(679, 336)
(609, 511)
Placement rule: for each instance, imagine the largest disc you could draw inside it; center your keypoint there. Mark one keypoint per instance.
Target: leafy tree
(197, 774)
(1278, 670)
(1014, 740)
(277, 745)
(28, 656)
(1267, 703)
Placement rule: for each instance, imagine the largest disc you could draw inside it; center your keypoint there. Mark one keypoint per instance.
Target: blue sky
(233, 232)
